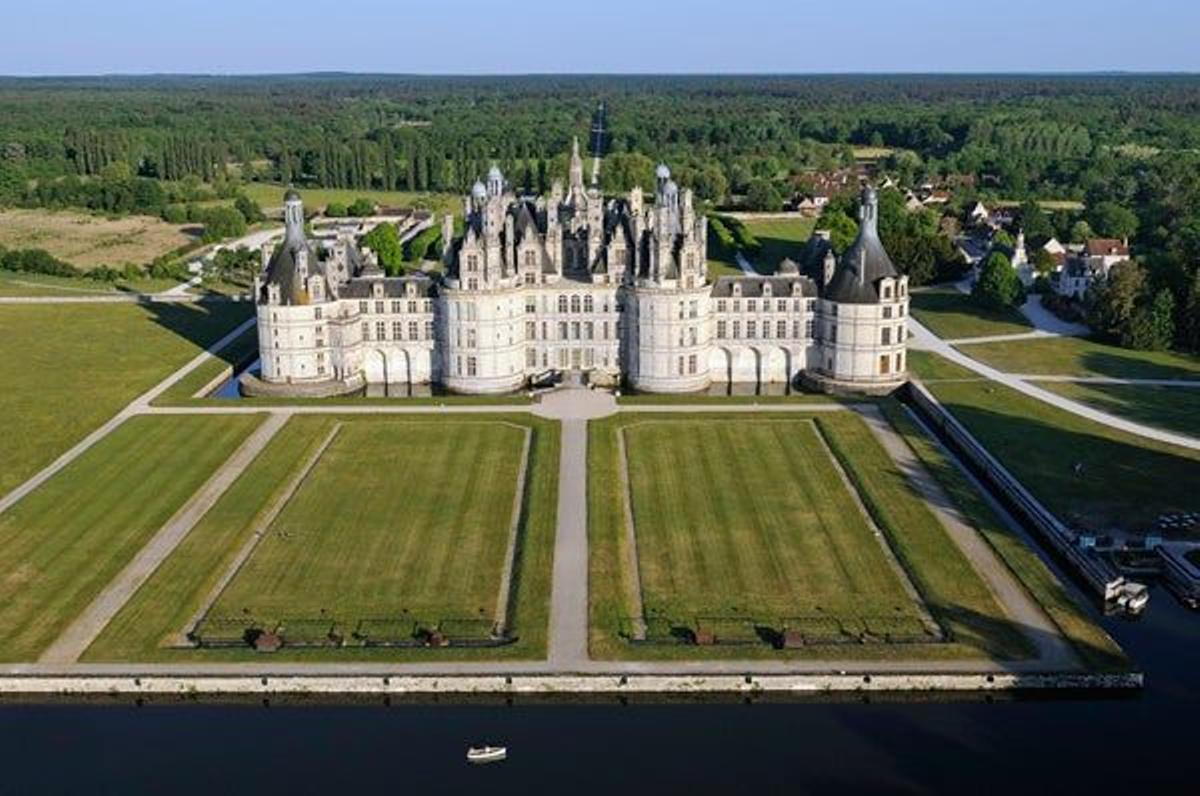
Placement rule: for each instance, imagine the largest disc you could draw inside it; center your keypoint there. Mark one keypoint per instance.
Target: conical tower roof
(856, 279)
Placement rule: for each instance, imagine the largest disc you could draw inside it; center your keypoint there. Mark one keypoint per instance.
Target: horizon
(623, 37)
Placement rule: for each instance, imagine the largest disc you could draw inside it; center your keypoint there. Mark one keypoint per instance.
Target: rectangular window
(412, 330)
(766, 329)
(604, 330)
(428, 330)
(562, 330)
(396, 306)
(885, 364)
(809, 328)
(380, 330)
(574, 330)
(378, 307)
(886, 334)
(317, 313)
(530, 357)
(720, 305)
(833, 332)
(751, 329)
(781, 329)
(692, 364)
(530, 330)
(412, 305)
(472, 367)
(362, 307)
(693, 309)
(588, 330)
(721, 330)
(530, 304)
(781, 305)
(470, 338)
(887, 312)
(397, 330)
(366, 331)
(737, 329)
(681, 370)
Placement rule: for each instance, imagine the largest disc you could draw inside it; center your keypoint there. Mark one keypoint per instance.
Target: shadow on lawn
(206, 321)
(1089, 481)
(1112, 362)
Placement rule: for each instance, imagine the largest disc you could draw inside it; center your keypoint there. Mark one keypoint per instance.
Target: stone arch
(745, 365)
(400, 371)
(776, 366)
(375, 367)
(720, 365)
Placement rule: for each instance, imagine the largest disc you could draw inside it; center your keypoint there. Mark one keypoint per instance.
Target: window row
(765, 305)
(400, 331)
(393, 306)
(764, 331)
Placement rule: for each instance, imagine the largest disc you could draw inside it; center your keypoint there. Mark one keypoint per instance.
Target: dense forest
(1128, 147)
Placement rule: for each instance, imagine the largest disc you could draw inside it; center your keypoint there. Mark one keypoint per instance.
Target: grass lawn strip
(1094, 646)
(1167, 407)
(149, 624)
(1076, 356)
(952, 315)
(64, 542)
(69, 368)
(1092, 477)
(980, 629)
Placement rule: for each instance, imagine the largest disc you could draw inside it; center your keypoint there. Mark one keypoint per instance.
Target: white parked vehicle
(486, 754)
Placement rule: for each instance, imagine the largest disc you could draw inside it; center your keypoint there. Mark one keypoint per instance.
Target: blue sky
(521, 36)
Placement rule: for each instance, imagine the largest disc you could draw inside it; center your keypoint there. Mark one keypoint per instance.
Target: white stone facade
(616, 289)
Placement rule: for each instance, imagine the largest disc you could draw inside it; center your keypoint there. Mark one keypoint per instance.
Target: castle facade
(616, 289)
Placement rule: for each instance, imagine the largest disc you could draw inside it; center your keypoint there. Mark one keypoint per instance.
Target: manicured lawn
(240, 353)
(1123, 481)
(1094, 646)
(1074, 356)
(67, 368)
(927, 367)
(271, 197)
(367, 547)
(950, 315)
(782, 533)
(1172, 408)
(63, 543)
(419, 523)
(718, 538)
(718, 400)
(780, 238)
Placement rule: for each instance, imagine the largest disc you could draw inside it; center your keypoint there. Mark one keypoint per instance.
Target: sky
(86, 37)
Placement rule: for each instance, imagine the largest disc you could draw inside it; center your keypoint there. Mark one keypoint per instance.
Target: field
(270, 197)
(951, 315)
(789, 546)
(395, 487)
(362, 548)
(1122, 481)
(780, 238)
(86, 241)
(65, 541)
(66, 369)
(1074, 356)
(761, 530)
(1171, 408)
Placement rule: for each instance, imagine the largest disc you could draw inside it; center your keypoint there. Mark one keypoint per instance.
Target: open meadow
(780, 238)
(67, 368)
(85, 240)
(1076, 356)
(270, 197)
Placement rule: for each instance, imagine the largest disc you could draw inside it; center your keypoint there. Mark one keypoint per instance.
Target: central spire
(576, 164)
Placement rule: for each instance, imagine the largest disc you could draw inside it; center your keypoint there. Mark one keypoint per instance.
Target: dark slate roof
(393, 287)
(856, 279)
(281, 270)
(752, 286)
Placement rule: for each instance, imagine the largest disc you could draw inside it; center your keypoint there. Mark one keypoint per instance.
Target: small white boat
(486, 754)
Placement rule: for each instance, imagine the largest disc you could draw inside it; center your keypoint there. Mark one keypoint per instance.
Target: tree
(1081, 231)
(1035, 223)
(360, 208)
(384, 241)
(998, 285)
(842, 229)
(221, 222)
(1189, 321)
(248, 208)
(1153, 324)
(762, 195)
(1043, 262)
(336, 210)
(1112, 302)
(1003, 239)
(1111, 220)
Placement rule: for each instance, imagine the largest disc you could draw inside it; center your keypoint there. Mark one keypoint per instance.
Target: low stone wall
(815, 382)
(254, 387)
(182, 686)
